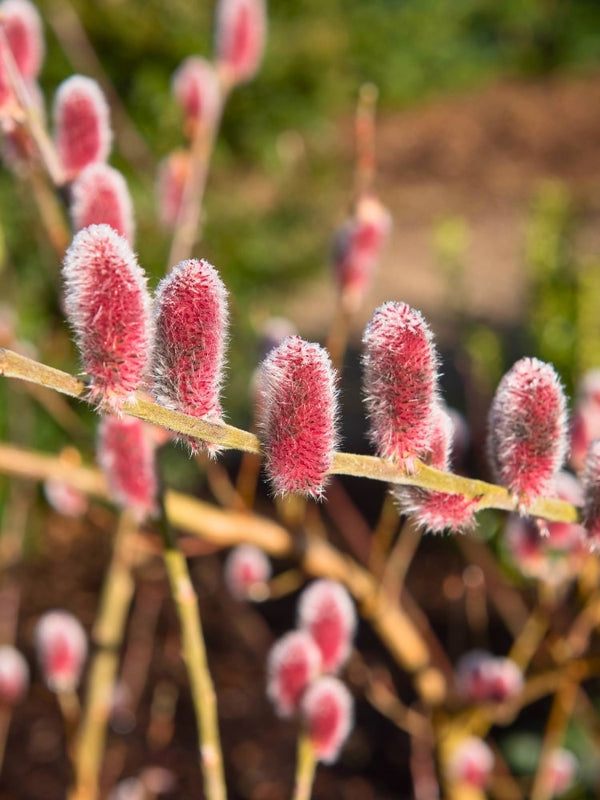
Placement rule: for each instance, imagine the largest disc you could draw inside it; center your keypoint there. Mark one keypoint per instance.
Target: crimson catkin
(298, 416)
(327, 712)
(99, 195)
(108, 307)
(82, 131)
(400, 382)
(191, 331)
(240, 38)
(527, 439)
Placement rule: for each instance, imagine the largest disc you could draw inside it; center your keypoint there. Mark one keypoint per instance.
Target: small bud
(195, 86)
(23, 28)
(108, 307)
(527, 428)
(82, 131)
(357, 247)
(126, 455)
(298, 416)
(560, 771)
(471, 763)
(326, 611)
(61, 645)
(247, 571)
(65, 499)
(327, 710)
(591, 494)
(483, 678)
(585, 426)
(99, 195)
(171, 178)
(400, 382)
(438, 511)
(240, 38)
(14, 676)
(189, 351)
(293, 663)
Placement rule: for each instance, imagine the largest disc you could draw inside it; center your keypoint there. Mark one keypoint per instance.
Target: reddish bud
(61, 645)
(14, 676)
(327, 711)
(471, 763)
(585, 426)
(357, 247)
(298, 416)
(483, 678)
(65, 499)
(559, 772)
(170, 184)
(400, 382)
(240, 38)
(99, 195)
(326, 611)
(247, 571)
(23, 29)
(189, 352)
(195, 86)
(293, 663)
(527, 428)
(108, 307)
(126, 455)
(591, 494)
(82, 131)
(438, 511)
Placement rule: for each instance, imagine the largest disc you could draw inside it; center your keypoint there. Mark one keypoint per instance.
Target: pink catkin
(327, 711)
(61, 645)
(326, 611)
(82, 131)
(191, 332)
(240, 38)
(23, 29)
(99, 195)
(247, 570)
(195, 86)
(293, 663)
(585, 426)
(438, 511)
(400, 382)
(591, 496)
(471, 763)
(126, 454)
(14, 676)
(527, 439)
(559, 772)
(299, 414)
(484, 678)
(108, 307)
(358, 244)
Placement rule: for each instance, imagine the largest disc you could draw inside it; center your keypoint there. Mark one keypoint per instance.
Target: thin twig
(306, 765)
(108, 634)
(196, 662)
(13, 365)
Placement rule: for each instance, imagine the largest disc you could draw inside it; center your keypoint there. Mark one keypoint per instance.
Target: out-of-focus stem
(194, 656)
(306, 766)
(489, 496)
(364, 131)
(108, 633)
(31, 119)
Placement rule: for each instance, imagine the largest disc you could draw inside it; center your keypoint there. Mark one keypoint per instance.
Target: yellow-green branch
(13, 365)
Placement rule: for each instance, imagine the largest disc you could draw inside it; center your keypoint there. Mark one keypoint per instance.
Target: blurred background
(488, 158)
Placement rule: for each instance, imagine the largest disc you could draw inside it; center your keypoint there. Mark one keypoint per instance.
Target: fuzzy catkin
(99, 195)
(400, 382)
(82, 131)
(108, 306)
(240, 37)
(190, 335)
(527, 440)
(298, 416)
